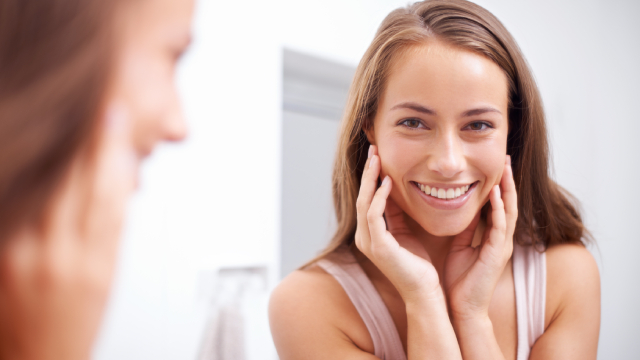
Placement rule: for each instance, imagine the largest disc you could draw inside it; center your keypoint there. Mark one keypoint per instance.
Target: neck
(436, 246)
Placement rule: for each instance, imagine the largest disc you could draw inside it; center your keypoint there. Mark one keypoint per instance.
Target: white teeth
(451, 193)
(447, 194)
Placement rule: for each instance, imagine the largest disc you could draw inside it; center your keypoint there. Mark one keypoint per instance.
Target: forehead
(166, 16)
(446, 78)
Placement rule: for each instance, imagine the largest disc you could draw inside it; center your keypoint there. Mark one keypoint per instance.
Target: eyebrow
(426, 110)
(480, 111)
(414, 106)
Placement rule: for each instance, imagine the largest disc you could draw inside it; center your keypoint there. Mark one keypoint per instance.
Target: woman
(467, 248)
(86, 92)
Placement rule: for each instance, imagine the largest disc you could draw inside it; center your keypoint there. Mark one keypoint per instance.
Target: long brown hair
(55, 62)
(547, 213)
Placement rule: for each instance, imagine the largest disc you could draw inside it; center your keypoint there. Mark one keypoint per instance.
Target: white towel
(224, 337)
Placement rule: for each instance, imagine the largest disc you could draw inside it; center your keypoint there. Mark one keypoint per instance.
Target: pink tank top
(529, 276)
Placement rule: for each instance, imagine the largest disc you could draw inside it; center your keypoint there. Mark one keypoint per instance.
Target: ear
(369, 131)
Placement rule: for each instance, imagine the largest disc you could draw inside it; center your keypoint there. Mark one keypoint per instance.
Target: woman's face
(152, 35)
(441, 127)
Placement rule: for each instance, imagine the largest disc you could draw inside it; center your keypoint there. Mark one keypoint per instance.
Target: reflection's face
(441, 126)
(153, 35)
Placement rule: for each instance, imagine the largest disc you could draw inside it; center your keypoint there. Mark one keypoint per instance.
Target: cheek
(148, 92)
(488, 161)
(149, 86)
(396, 156)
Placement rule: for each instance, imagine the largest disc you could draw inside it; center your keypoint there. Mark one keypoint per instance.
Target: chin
(446, 228)
(446, 224)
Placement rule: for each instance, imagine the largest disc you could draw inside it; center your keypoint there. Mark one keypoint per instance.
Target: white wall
(209, 202)
(214, 200)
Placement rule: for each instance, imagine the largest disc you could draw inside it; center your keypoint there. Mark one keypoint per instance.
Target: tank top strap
(530, 280)
(344, 267)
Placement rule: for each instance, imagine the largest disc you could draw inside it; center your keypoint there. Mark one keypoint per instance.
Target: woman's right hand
(391, 245)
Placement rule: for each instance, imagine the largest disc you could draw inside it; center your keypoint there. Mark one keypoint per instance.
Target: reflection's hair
(55, 61)
(547, 214)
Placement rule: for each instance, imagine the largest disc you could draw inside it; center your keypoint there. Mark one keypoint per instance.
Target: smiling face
(152, 36)
(441, 127)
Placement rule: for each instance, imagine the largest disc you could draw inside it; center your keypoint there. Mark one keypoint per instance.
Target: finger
(394, 216)
(509, 196)
(115, 176)
(373, 150)
(367, 189)
(497, 234)
(66, 210)
(370, 176)
(465, 238)
(377, 225)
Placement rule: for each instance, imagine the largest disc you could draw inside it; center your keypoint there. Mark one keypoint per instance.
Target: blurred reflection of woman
(86, 92)
(467, 248)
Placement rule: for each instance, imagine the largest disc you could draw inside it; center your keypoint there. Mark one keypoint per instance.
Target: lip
(444, 186)
(442, 204)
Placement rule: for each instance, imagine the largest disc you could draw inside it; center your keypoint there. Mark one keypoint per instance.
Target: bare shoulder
(572, 316)
(310, 313)
(571, 267)
(572, 279)
(305, 292)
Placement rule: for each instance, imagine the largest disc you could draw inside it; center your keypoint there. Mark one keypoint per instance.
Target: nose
(447, 156)
(175, 125)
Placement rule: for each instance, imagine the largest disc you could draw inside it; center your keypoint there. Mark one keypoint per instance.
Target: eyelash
(404, 123)
(488, 125)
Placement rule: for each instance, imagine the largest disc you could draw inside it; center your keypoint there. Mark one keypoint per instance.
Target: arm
(472, 274)
(572, 321)
(429, 333)
(477, 339)
(312, 318)
(573, 306)
(392, 247)
(573, 290)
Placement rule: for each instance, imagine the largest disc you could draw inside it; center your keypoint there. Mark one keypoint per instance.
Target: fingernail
(370, 152)
(509, 160)
(386, 181)
(498, 190)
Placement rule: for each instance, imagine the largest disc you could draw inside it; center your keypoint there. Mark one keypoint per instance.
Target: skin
(54, 283)
(447, 298)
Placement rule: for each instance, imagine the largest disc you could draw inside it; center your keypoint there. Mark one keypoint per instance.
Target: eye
(412, 123)
(479, 126)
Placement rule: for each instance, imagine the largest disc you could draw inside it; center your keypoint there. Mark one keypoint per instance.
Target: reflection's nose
(175, 127)
(447, 156)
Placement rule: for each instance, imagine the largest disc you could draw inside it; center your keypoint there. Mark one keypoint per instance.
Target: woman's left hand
(471, 274)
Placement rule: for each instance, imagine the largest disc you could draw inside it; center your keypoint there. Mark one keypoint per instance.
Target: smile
(449, 193)
(445, 197)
